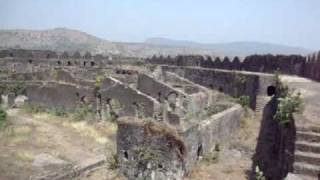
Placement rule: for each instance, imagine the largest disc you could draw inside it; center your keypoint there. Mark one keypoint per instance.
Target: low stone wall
(229, 82)
(60, 95)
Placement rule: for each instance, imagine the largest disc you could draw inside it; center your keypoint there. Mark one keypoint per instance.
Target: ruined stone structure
(168, 117)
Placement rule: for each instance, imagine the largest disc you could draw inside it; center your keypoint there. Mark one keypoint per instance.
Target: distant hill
(63, 39)
(59, 39)
(233, 48)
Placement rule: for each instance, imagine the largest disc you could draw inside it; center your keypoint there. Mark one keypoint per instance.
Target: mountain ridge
(64, 39)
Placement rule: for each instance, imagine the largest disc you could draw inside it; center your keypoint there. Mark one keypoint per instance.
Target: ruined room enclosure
(171, 113)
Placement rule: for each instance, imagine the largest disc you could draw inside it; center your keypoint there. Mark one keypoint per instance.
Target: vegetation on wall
(288, 102)
(3, 117)
(33, 109)
(216, 108)
(15, 88)
(81, 113)
(244, 101)
(99, 80)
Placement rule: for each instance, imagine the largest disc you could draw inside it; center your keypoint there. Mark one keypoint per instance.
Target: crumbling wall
(149, 150)
(131, 100)
(232, 83)
(174, 151)
(203, 137)
(60, 95)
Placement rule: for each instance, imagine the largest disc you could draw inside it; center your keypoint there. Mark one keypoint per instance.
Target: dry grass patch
(24, 156)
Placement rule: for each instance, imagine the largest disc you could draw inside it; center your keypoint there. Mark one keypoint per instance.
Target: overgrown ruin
(170, 111)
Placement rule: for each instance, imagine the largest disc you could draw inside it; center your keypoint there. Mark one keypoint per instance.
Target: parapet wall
(287, 64)
(312, 68)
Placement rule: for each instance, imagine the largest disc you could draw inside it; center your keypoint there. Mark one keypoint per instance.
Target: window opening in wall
(199, 152)
(126, 155)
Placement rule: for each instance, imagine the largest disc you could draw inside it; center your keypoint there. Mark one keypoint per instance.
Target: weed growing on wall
(113, 162)
(15, 88)
(99, 80)
(212, 157)
(287, 106)
(33, 109)
(216, 108)
(288, 102)
(81, 113)
(3, 117)
(244, 101)
(58, 111)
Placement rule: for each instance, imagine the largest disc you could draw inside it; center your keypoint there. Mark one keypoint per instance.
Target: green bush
(99, 80)
(113, 162)
(16, 88)
(58, 111)
(244, 101)
(3, 117)
(33, 109)
(81, 113)
(216, 108)
(287, 106)
(212, 157)
(288, 102)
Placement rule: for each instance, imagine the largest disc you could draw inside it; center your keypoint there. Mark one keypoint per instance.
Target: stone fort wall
(308, 66)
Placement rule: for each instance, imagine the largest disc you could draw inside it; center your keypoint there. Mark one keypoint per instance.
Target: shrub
(244, 101)
(287, 106)
(288, 102)
(113, 162)
(99, 80)
(216, 108)
(212, 157)
(16, 88)
(33, 109)
(81, 113)
(3, 117)
(58, 111)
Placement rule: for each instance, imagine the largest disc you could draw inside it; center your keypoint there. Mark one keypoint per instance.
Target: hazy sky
(289, 22)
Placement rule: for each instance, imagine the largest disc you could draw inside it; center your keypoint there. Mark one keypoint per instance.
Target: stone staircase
(260, 104)
(307, 152)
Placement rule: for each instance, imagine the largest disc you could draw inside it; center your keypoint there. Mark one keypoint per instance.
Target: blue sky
(288, 22)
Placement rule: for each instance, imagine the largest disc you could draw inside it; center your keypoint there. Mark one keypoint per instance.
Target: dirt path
(28, 136)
